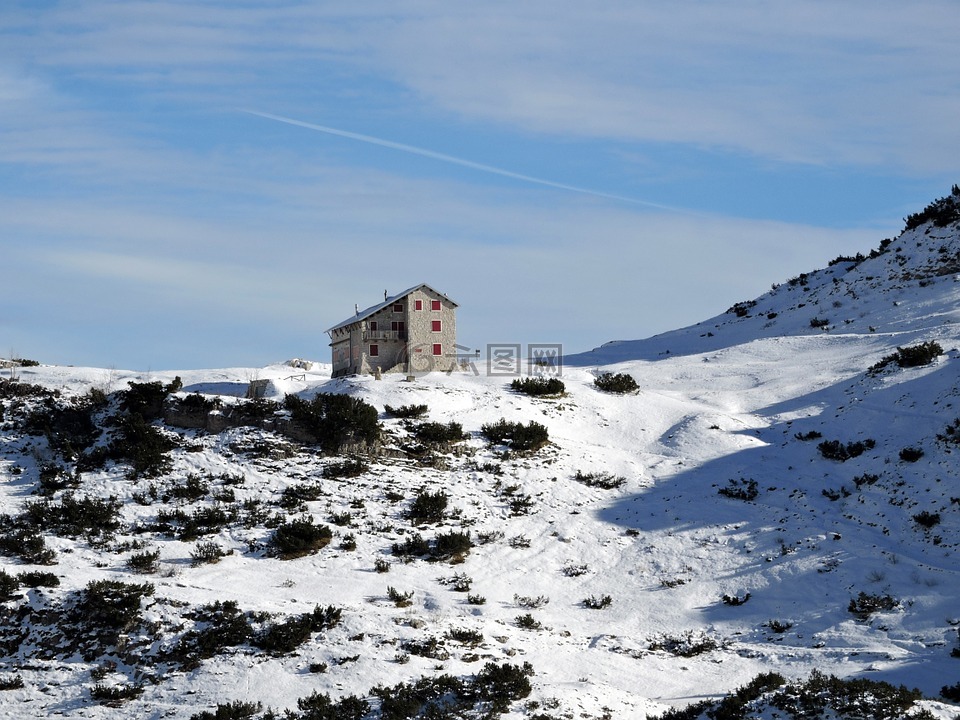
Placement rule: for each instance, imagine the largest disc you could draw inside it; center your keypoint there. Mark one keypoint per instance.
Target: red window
(437, 349)
(398, 307)
(373, 325)
(436, 325)
(374, 350)
(435, 305)
(418, 304)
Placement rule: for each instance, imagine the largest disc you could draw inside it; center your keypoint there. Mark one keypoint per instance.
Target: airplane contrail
(414, 150)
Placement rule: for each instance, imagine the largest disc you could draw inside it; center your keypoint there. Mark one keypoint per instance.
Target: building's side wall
(422, 337)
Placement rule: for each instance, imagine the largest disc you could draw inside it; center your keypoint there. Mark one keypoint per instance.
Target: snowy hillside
(780, 495)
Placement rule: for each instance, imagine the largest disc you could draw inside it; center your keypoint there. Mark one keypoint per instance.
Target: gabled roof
(373, 309)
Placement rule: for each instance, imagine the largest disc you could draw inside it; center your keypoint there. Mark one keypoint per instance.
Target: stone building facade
(412, 332)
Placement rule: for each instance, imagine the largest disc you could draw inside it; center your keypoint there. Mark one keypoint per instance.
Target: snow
(720, 401)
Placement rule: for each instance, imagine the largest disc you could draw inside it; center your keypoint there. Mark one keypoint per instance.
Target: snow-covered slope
(706, 588)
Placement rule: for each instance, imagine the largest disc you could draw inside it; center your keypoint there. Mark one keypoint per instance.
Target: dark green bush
(219, 625)
(11, 683)
(539, 386)
(911, 454)
(912, 356)
(114, 695)
(334, 421)
(286, 636)
(428, 507)
(9, 585)
(828, 696)
(350, 468)
(438, 433)
(409, 412)
(298, 538)
(516, 436)
(741, 489)
(742, 309)
(206, 553)
(146, 399)
(320, 707)
(453, 545)
(603, 480)
(927, 519)
(36, 578)
(74, 516)
(836, 450)
(618, 383)
(941, 212)
(110, 604)
(236, 710)
(819, 323)
(413, 546)
(865, 605)
(144, 562)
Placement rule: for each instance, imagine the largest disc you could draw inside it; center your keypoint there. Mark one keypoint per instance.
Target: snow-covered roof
(373, 309)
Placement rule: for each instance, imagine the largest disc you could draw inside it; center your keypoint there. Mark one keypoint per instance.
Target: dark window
(374, 350)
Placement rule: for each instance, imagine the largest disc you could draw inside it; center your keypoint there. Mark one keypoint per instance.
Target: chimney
(356, 309)
(384, 295)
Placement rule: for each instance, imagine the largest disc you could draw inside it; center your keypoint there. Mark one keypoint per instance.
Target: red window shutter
(436, 326)
(418, 304)
(374, 350)
(435, 305)
(373, 325)
(398, 307)
(437, 349)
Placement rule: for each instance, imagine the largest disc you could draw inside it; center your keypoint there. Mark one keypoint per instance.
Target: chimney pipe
(356, 309)
(384, 295)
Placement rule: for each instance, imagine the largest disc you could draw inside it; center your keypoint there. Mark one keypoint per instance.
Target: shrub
(828, 696)
(351, 468)
(298, 538)
(438, 433)
(293, 496)
(865, 605)
(603, 480)
(193, 488)
(318, 706)
(428, 507)
(35, 579)
(531, 603)
(689, 644)
(146, 399)
(236, 710)
(413, 545)
(812, 435)
(381, 565)
(951, 433)
(206, 553)
(836, 450)
(527, 622)
(74, 516)
(16, 683)
(951, 692)
(453, 545)
(9, 585)
(409, 412)
(114, 695)
(145, 562)
(219, 625)
(597, 603)
(741, 309)
(912, 356)
(539, 386)
(137, 443)
(819, 323)
(741, 489)
(400, 599)
(285, 636)
(619, 383)
(333, 421)
(110, 605)
(927, 519)
(911, 454)
(941, 212)
(516, 436)
(24, 542)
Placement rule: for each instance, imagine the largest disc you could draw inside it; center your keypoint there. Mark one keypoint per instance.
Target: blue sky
(148, 222)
